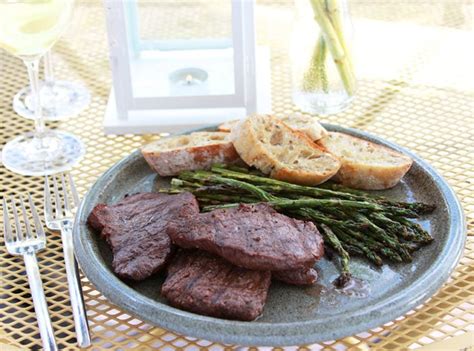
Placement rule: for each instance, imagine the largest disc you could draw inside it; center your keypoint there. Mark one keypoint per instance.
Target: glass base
(322, 103)
(54, 152)
(59, 99)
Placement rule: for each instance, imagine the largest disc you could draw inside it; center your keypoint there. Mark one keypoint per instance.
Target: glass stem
(48, 67)
(33, 74)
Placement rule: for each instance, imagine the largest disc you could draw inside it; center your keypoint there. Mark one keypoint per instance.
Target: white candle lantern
(168, 85)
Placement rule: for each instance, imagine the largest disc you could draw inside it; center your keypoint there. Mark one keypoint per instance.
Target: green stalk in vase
(331, 37)
(315, 77)
(322, 65)
(334, 11)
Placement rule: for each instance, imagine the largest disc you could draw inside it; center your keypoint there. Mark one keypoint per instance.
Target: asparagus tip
(342, 281)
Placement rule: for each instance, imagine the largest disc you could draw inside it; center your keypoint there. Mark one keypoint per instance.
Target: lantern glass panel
(180, 48)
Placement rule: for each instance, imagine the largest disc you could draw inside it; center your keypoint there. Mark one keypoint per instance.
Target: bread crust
(364, 175)
(370, 178)
(172, 162)
(300, 177)
(226, 127)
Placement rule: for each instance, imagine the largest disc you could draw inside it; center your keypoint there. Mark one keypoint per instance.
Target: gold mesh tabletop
(415, 69)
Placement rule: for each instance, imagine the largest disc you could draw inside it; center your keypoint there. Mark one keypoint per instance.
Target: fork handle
(39, 301)
(75, 289)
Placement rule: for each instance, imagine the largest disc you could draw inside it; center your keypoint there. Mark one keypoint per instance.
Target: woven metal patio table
(415, 88)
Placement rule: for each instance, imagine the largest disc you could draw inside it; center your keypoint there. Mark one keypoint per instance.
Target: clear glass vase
(321, 61)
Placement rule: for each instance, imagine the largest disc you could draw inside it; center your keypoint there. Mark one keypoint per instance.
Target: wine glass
(28, 29)
(60, 99)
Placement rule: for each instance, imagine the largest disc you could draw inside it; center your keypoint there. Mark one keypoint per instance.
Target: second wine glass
(28, 29)
(60, 99)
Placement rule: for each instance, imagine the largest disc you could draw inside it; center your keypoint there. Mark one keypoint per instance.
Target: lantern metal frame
(127, 113)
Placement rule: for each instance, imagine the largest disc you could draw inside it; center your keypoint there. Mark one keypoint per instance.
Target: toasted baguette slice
(270, 145)
(199, 150)
(365, 165)
(308, 125)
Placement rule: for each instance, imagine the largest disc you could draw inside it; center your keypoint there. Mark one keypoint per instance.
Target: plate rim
(288, 333)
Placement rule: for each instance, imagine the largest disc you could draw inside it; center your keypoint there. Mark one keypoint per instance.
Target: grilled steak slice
(305, 276)
(135, 229)
(251, 236)
(202, 283)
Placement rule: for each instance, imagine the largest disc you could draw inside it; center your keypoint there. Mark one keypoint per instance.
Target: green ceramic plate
(292, 315)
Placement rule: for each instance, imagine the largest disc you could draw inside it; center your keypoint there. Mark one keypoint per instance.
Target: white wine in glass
(28, 29)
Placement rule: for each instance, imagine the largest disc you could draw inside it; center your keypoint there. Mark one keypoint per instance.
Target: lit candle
(189, 81)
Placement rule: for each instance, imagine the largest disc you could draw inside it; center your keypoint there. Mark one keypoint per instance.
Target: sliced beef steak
(304, 276)
(202, 283)
(251, 236)
(135, 228)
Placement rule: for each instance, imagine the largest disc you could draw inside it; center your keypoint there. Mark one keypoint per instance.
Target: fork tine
(36, 219)
(19, 236)
(28, 233)
(67, 204)
(7, 229)
(75, 196)
(56, 196)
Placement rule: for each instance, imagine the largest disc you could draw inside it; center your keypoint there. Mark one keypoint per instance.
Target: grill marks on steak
(251, 236)
(255, 243)
(202, 283)
(135, 228)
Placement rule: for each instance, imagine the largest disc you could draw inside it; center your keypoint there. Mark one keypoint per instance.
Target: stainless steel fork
(27, 242)
(62, 218)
